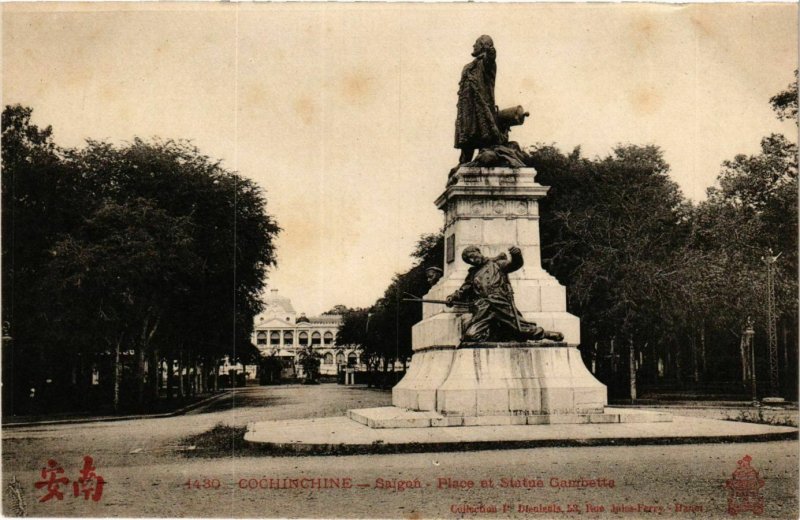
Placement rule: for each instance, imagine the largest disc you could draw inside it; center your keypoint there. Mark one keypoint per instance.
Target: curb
(700, 405)
(279, 449)
(113, 418)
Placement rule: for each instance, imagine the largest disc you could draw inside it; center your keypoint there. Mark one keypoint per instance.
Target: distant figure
(476, 122)
(494, 315)
(432, 274)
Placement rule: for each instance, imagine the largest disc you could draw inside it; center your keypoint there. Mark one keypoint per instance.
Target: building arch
(302, 338)
(261, 338)
(316, 339)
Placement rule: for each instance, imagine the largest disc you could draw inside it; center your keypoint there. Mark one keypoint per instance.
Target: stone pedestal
(494, 209)
(500, 379)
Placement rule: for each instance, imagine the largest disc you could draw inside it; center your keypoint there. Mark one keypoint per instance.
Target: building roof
(328, 319)
(276, 303)
(279, 312)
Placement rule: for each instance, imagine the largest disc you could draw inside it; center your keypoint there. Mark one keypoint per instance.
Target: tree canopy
(784, 103)
(149, 247)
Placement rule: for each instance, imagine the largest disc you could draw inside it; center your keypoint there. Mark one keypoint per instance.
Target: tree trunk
(632, 369)
(170, 376)
(181, 388)
(190, 375)
(145, 388)
(203, 376)
(154, 376)
(654, 359)
(117, 375)
(193, 379)
(77, 391)
(74, 372)
(140, 376)
(703, 347)
(198, 376)
(613, 357)
(80, 381)
(745, 362)
(785, 336)
(668, 365)
(216, 375)
(695, 364)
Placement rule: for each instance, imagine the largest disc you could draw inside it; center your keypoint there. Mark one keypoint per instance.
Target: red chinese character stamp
(52, 481)
(744, 489)
(90, 484)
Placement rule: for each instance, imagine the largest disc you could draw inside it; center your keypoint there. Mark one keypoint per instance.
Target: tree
(752, 181)
(337, 309)
(140, 243)
(270, 368)
(784, 103)
(429, 250)
(353, 329)
(611, 231)
(41, 198)
(760, 193)
(752, 210)
(116, 277)
(310, 362)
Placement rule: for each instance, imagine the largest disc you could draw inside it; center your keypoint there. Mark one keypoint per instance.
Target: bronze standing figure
(476, 122)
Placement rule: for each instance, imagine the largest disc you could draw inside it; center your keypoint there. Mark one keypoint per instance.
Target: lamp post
(748, 334)
(770, 260)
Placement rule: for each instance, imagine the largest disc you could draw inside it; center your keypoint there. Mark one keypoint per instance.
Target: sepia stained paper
(344, 114)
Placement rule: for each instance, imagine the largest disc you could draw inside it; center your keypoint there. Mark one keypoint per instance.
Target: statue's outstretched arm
(463, 293)
(516, 261)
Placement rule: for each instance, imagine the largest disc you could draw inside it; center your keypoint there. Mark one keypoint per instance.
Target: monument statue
(483, 360)
(480, 125)
(476, 121)
(495, 317)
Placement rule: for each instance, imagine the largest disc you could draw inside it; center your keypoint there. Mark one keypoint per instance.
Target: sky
(344, 113)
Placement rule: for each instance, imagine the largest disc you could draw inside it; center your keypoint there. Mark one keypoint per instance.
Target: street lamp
(774, 370)
(748, 334)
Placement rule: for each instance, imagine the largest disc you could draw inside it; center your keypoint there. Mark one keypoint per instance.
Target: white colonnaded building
(281, 332)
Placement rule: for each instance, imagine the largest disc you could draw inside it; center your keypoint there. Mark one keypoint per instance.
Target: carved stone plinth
(494, 209)
(500, 379)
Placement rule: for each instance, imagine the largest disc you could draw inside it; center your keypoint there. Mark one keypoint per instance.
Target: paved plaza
(150, 470)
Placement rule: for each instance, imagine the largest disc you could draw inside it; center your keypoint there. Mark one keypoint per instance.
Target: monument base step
(393, 417)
